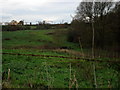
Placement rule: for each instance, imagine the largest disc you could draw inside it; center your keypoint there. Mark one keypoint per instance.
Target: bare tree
(84, 10)
(92, 10)
(102, 8)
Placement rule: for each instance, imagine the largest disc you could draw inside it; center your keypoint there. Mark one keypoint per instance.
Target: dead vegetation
(71, 52)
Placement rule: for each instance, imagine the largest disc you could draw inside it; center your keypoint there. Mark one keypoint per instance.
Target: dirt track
(85, 59)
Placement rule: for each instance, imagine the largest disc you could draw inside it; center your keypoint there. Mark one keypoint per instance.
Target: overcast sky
(38, 10)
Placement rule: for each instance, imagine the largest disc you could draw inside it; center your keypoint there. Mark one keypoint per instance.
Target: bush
(80, 31)
(15, 27)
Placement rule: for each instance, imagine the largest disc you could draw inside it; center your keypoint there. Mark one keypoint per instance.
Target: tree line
(103, 18)
(34, 27)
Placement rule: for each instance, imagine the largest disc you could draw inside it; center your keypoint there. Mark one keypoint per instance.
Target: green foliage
(42, 72)
(49, 72)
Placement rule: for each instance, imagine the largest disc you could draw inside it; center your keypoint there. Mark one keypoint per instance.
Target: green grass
(33, 38)
(54, 72)
(49, 72)
(26, 38)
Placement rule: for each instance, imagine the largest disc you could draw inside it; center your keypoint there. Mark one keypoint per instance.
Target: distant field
(20, 71)
(34, 38)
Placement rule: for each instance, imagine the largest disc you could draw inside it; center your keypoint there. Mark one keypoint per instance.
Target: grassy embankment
(49, 72)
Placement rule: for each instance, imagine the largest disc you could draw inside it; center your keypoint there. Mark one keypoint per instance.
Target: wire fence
(77, 58)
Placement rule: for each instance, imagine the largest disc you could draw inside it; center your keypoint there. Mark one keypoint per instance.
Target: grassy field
(20, 71)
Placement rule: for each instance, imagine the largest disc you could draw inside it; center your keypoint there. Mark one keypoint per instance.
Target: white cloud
(35, 18)
(32, 10)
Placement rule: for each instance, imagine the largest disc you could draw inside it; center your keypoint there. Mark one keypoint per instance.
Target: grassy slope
(27, 38)
(41, 72)
(33, 38)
